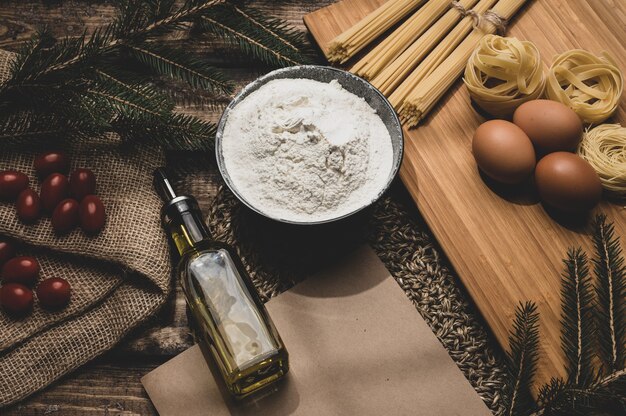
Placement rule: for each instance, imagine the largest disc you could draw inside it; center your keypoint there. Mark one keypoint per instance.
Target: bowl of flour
(309, 145)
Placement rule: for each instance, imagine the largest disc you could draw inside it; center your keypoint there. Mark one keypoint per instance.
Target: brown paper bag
(356, 344)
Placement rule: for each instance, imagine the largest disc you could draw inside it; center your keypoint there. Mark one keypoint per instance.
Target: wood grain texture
(505, 247)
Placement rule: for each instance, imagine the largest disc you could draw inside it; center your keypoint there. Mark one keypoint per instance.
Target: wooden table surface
(110, 385)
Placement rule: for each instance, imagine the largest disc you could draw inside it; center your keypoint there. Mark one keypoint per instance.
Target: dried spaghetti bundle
(503, 73)
(447, 45)
(426, 94)
(395, 72)
(400, 39)
(590, 85)
(604, 147)
(348, 43)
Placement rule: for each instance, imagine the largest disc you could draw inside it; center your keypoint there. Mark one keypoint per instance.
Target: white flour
(304, 150)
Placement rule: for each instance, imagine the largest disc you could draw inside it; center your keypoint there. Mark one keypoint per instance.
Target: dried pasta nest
(503, 73)
(604, 147)
(590, 85)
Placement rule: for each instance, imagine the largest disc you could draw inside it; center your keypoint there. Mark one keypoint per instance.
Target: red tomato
(82, 183)
(92, 214)
(15, 298)
(65, 216)
(12, 183)
(7, 251)
(54, 293)
(54, 190)
(28, 206)
(52, 162)
(22, 269)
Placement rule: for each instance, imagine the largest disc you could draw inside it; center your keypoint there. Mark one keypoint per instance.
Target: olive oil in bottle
(233, 322)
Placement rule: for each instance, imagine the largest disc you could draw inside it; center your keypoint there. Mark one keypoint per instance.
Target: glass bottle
(233, 322)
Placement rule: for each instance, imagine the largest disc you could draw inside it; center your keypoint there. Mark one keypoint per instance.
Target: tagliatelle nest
(503, 73)
(604, 147)
(588, 84)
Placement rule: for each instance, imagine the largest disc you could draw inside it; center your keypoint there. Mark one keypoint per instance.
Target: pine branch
(577, 327)
(129, 29)
(28, 125)
(224, 21)
(281, 31)
(178, 65)
(566, 399)
(177, 132)
(610, 273)
(86, 86)
(523, 356)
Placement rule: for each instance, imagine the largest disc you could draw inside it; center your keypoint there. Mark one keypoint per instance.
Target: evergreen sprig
(610, 274)
(268, 40)
(591, 326)
(577, 325)
(105, 82)
(523, 356)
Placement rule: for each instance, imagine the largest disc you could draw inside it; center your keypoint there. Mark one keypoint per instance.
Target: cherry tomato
(7, 251)
(92, 215)
(12, 183)
(54, 190)
(15, 298)
(52, 162)
(65, 216)
(82, 183)
(22, 269)
(54, 293)
(28, 206)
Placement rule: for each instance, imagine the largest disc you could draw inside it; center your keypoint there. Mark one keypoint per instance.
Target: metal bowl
(348, 81)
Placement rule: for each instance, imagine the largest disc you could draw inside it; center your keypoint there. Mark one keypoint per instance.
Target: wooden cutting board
(504, 247)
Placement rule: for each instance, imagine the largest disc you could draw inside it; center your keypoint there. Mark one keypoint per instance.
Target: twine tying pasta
(466, 12)
(496, 20)
(588, 84)
(604, 147)
(503, 73)
(490, 16)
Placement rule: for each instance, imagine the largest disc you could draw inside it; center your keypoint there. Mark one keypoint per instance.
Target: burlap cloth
(118, 278)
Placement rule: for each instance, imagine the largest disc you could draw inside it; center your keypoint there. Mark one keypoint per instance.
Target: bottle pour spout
(163, 185)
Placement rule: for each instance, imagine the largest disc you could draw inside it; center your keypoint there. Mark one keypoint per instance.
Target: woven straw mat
(118, 278)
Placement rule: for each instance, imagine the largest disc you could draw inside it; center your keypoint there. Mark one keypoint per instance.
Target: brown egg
(503, 151)
(567, 182)
(550, 125)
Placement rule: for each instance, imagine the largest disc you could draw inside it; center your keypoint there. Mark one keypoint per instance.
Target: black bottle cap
(175, 205)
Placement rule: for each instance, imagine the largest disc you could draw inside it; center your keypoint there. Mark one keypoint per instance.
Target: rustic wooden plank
(109, 386)
(505, 248)
(20, 19)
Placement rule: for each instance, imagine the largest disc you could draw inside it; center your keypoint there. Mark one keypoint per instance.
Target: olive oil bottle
(233, 322)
